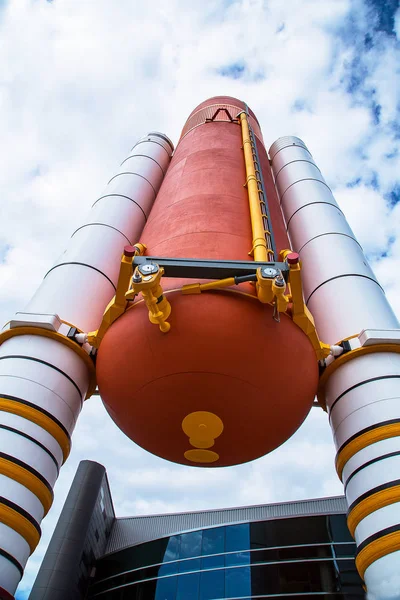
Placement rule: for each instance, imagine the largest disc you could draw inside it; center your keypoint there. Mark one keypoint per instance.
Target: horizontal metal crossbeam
(190, 268)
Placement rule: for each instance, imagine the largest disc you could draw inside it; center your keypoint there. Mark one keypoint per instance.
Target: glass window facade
(282, 558)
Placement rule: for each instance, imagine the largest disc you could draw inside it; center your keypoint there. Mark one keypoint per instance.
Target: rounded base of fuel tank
(226, 385)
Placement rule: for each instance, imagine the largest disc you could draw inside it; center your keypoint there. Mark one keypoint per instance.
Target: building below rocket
(241, 293)
(286, 550)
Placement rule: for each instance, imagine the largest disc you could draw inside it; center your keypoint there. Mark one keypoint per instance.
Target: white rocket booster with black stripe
(43, 383)
(363, 394)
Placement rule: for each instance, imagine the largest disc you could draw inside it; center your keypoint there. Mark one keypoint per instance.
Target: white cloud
(81, 81)
(369, 215)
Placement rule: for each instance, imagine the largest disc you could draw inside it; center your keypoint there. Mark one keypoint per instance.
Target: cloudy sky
(81, 81)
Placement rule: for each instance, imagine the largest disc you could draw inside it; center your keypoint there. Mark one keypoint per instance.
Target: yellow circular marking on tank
(202, 428)
(201, 456)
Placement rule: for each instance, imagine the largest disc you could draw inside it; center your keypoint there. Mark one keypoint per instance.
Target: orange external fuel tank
(228, 383)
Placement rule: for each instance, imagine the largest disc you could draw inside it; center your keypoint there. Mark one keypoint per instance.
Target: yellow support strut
(260, 250)
(300, 313)
(118, 304)
(259, 242)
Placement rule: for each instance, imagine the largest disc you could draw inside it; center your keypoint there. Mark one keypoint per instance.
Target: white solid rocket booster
(361, 388)
(45, 374)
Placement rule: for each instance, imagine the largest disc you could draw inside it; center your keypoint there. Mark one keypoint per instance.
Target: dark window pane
(265, 580)
(345, 550)
(288, 532)
(237, 537)
(144, 591)
(294, 578)
(213, 562)
(237, 558)
(294, 553)
(188, 587)
(149, 573)
(149, 554)
(166, 589)
(237, 582)
(212, 585)
(338, 528)
(190, 544)
(189, 565)
(140, 574)
(213, 541)
(264, 556)
(172, 550)
(168, 569)
(347, 576)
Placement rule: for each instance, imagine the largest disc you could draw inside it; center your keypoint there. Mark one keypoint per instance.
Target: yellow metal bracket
(118, 304)
(300, 313)
(197, 288)
(146, 280)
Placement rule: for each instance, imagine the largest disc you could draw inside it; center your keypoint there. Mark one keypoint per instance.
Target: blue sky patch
(385, 11)
(4, 250)
(233, 71)
(376, 112)
(394, 196)
(301, 105)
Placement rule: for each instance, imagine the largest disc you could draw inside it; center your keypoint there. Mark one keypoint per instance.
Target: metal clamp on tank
(146, 280)
(271, 287)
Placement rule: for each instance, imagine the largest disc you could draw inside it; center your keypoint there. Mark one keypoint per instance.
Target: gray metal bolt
(149, 269)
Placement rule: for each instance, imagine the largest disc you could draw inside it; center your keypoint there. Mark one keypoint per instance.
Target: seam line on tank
(145, 156)
(41, 385)
(340, 277)
(32, 439)
(370, 462)
(121, 196)
(221, 104)
(196, 373)
(187, 198)
(81, 265)
(199, 233)
(310, 204)
(102, 225)
(329, 233)
(133, 173)
(305, 179)
(228, 122)
(290, 146)
(160, 135)
(47, 364)
(152, 142)
(12, 560)
(163, 136)
(360, 383)
(311, 162)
